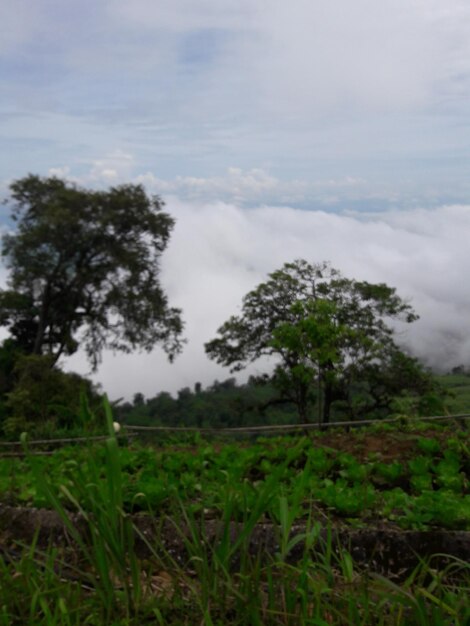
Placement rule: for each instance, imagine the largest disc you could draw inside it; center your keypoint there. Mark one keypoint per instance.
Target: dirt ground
(386, 446)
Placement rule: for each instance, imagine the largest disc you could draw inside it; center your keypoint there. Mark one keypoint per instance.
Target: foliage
(43, 394)
(222, 404)
(457, 388)
(84, 268)
(9, 354)
(329, 334)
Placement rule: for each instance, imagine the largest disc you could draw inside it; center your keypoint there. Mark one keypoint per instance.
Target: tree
(325, 331)
(314, 340)
(139, 399)
(84, 269)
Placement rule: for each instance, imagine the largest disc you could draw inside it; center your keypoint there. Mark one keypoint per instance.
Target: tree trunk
(302, 403)
(41, 331)
(328, 392)
(328, 398)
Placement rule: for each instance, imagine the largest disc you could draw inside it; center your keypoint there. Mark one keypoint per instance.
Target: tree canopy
(331, 337)
(84, 270)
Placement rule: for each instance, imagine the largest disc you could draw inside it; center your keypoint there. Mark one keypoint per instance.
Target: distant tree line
(257, 402)
(224, 404)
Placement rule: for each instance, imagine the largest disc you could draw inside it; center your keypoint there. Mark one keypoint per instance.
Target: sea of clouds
(219, 251)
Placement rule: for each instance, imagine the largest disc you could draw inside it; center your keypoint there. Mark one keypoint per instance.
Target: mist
(219, 251)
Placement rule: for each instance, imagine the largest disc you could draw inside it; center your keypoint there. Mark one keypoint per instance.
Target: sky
(321, 129)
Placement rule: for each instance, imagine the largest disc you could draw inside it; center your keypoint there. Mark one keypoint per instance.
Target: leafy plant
(429, 445)
(391, 472)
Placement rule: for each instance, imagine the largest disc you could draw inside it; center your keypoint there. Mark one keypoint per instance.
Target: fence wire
(289, 427)
(131, 431)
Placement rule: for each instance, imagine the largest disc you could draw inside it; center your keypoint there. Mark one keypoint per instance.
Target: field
(413, 479)
(247, 532)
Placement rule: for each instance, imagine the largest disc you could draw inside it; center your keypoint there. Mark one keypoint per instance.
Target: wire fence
(290, 427)
(16, 448)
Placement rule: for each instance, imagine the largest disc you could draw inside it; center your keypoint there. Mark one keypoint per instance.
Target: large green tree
(84, 270)
(331, 338)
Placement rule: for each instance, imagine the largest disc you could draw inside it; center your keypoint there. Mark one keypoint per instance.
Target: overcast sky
(323, 129)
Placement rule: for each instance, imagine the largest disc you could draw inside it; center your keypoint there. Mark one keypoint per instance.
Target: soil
(386, 446)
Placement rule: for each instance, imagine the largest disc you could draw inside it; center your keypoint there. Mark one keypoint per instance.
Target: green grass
(95, 577)
(224, 584)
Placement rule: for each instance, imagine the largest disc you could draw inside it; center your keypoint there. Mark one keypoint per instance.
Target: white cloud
(60, 172)
(114, 168)
(236, 184)
(305, 59)
(219, 252)
(306, 89)
(241, 187)
(256, 186)
(291, 62)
